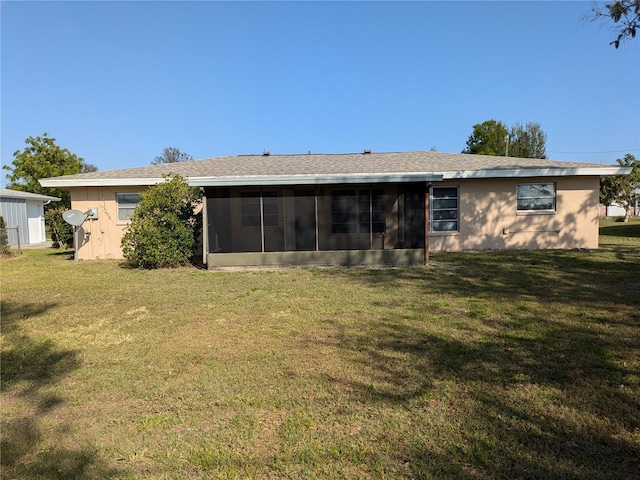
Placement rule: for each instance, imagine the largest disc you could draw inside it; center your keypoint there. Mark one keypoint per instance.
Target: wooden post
(426, 224)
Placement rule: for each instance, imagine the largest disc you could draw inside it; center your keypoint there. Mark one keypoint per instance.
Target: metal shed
(23, 213)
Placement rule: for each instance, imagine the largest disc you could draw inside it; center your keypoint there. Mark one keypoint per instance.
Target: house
(358, 208)
(23, 213)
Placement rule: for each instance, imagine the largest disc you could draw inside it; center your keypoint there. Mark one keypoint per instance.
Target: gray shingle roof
(9, 193)
(304, 168)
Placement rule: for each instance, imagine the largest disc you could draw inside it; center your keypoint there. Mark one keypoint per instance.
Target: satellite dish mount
(75, 218)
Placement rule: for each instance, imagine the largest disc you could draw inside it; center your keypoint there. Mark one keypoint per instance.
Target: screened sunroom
(324, 224)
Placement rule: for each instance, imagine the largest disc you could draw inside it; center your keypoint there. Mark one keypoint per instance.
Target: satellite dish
(74, 217)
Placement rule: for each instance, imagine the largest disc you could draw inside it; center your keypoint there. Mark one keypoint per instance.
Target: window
(444, 208)
(126, 205)
(250, 209)
(357, 211)
(536, 197)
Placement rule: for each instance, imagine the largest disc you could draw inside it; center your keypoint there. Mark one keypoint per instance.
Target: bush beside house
(161, 232)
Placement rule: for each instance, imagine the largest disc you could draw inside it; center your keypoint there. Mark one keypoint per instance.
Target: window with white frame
(251, 211)
(444, 208)
(126, 205)
(536, 197)
(357, 211)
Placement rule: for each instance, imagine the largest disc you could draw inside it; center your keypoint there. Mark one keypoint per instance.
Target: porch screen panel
(413, 216)
(219, 217)
(357, 215)
(272, 220)
(304, 223)
(246, 234)
(378, 212)
(344, 212)
(347, 217)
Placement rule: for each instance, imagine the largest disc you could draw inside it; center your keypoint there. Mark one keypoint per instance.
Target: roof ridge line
(314, 153)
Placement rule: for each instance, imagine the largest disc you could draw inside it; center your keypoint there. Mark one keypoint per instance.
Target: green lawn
(481, 366)
(615, 232)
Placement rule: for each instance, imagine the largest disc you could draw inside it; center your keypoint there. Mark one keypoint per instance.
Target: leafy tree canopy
(162, 230)
(495, 138)
(624, 13)
(527, 141)
(488, 138)
(621, 189)
(42, 158)
(171, 155)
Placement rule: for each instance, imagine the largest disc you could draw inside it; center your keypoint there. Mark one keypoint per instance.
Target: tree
(42, 158)
(624, 13)
(162, 230)
(528, 141)
(621, 189)
(88, 168)
(494, 138)
(4, 238)
(171, 155)
(488, 138)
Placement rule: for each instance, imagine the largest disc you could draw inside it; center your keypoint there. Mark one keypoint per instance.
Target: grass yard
(483, 365)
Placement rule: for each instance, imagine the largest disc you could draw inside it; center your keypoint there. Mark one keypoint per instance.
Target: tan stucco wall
(100, 238)
(488, 207)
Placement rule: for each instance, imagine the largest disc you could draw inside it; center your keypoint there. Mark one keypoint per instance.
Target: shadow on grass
(29, 367)
(543, 371)
(503, 436)
(621, 230)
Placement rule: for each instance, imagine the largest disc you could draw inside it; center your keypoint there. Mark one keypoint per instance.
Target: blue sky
(116, 82)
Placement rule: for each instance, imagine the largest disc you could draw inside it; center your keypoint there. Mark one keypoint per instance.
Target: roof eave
(34, 197)
(327, 179)
(248, 180)
(260, 180)
(538, 172)
(60, 182)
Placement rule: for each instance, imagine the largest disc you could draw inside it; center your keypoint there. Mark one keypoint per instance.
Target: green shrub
(61, 232)
(4, 238)
(161, 232)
